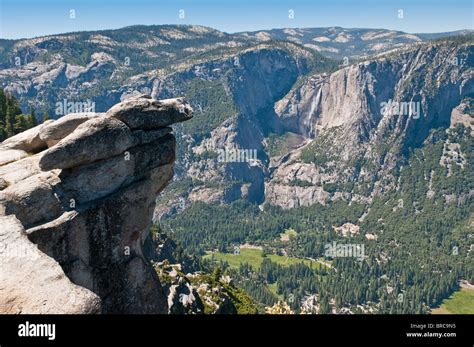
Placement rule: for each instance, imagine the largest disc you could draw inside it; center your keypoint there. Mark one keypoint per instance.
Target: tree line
(12, 119)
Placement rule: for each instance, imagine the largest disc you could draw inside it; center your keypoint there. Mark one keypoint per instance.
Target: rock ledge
(76, 202)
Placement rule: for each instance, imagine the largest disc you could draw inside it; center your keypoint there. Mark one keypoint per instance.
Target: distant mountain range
(337, 42)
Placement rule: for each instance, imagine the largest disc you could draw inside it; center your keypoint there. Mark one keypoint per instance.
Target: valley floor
(254, 257)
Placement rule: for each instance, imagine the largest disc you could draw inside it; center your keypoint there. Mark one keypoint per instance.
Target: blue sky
(29, 18)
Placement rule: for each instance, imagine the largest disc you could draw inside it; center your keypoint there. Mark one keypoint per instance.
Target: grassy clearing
(254, 258)
(460, 302)
(279, 145)
(273, 288)
(289, 233)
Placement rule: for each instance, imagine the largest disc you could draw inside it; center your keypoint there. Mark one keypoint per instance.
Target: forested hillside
(12, 119)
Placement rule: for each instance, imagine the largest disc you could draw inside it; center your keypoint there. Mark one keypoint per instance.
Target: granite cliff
(76, 203)
(363, 120)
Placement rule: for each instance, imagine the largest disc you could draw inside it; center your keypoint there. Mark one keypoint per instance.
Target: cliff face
(356, 144)
(436, 75)
(76, 202)
(248, 83)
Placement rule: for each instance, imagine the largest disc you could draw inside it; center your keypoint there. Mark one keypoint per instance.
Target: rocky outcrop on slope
(201, 293)
(76, 202)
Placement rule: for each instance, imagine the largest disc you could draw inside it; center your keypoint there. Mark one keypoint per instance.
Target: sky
(30, 18)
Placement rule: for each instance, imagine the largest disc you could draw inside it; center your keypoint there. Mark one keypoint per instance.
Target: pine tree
(32, 121)
(216, 274)
(3, 107)
(21, 123)
(3, 133)
(45, 116)
(324, 307)
(10, 122)
(13, 105)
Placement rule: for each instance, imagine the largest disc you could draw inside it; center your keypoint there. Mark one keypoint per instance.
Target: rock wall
(76, 202)
(359, 144)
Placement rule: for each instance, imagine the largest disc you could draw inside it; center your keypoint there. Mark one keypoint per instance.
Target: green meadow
(460, 302)
(254, 258)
